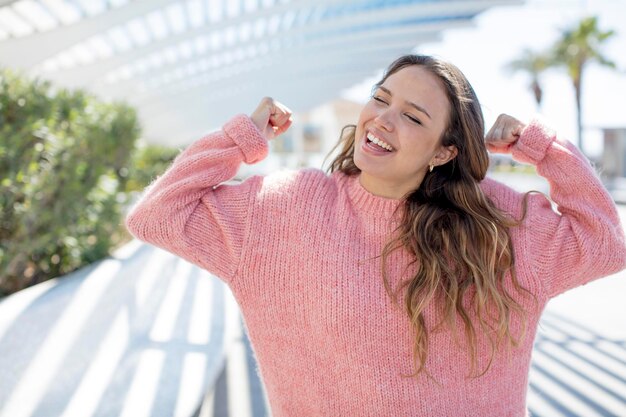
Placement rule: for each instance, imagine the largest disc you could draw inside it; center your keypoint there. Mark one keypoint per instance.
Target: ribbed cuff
(246, 135)
(533, 143)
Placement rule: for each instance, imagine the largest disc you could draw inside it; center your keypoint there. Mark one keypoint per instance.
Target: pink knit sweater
(298, 249)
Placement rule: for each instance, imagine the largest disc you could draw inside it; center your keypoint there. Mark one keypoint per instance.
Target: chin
(372, 171)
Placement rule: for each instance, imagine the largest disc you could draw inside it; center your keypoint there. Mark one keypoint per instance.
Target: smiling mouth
(379, 143)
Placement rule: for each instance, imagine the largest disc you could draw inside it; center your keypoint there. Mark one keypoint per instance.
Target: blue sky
(499, 36)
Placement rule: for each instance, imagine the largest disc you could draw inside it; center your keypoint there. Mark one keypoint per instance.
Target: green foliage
(64, 164)
(574, 50)
(579, 45)
(533, 64)
(149, 161)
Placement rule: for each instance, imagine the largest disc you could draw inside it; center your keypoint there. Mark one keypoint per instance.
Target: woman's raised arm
(187, 212)
(584, 240)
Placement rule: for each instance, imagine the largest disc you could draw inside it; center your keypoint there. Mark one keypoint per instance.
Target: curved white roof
(189, 65)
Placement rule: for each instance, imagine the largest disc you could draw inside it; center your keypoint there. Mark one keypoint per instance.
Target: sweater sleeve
(188, 213)
(584, 240)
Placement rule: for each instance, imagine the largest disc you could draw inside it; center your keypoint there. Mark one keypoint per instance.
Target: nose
(384, 120)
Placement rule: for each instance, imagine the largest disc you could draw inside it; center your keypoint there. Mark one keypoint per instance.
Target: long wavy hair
(459, 240)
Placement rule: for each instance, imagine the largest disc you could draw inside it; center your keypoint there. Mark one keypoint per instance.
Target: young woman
(404, 283)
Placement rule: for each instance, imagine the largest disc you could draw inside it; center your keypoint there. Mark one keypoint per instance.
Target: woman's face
(407, 116)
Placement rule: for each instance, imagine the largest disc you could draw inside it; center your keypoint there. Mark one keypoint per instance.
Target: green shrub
(148, 162)
(64, 166)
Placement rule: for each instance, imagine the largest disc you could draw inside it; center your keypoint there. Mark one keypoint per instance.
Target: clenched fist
(503, 134)
(271, 117)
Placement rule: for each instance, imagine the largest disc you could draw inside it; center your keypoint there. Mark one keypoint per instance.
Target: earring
(431, 167)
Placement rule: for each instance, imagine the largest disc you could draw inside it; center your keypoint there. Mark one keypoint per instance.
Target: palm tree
(577, 47)
(534, 64)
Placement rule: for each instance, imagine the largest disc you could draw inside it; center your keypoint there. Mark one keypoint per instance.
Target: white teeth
(379, 142)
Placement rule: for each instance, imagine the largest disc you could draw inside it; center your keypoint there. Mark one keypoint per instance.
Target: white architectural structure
(188, 65)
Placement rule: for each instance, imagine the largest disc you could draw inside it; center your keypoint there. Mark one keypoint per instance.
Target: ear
(444, 155)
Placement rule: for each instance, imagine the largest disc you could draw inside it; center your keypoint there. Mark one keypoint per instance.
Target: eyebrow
(419, 108)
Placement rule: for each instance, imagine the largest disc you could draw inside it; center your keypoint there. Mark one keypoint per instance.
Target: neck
(386, 189)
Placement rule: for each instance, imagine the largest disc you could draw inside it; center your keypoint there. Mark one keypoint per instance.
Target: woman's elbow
(143, 223)
(158, 226)
(136, 225)
(615, 251)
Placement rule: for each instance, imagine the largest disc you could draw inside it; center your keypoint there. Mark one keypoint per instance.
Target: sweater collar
(366, 201)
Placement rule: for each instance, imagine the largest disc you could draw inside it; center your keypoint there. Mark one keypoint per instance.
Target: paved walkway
(141, 334)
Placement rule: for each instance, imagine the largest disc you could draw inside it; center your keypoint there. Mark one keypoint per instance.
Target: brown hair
(458, 237)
